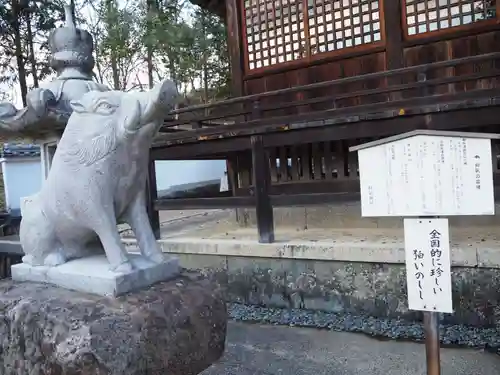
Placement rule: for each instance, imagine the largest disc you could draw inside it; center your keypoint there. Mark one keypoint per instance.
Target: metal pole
(431, 329)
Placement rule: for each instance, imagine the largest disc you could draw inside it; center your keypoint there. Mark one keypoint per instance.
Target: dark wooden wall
(396, 49)
(399, 46)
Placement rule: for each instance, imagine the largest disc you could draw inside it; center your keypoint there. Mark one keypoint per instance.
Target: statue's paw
(28, 259)
(124, 267)
(156, 257)
(54, 259)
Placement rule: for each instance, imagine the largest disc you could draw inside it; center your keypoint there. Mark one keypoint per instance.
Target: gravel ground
(451, 335)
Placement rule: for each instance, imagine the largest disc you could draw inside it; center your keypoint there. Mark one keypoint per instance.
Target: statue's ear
(77, 106)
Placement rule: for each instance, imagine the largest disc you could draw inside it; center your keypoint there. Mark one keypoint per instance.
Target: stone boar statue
(97, 179)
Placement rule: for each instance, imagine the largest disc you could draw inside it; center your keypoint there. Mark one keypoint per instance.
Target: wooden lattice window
(424, 16)
(335, 25)
(275, 31)
(279, 31)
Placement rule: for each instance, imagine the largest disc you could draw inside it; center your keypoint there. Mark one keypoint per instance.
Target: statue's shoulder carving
(91, 132)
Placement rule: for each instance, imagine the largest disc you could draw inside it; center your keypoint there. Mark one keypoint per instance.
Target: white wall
(22, 177)
(177, 172)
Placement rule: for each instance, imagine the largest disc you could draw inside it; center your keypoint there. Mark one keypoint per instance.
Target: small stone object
(176, 327)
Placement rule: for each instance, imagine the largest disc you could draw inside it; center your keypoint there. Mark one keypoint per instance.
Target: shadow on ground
(264, 350)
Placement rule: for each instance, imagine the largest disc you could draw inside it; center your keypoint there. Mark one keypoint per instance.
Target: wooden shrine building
(312, 77)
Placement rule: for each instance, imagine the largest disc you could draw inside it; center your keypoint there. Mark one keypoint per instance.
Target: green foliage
(160, 37)
(32, 21)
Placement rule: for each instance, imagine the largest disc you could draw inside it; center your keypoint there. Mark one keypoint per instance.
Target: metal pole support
(431, 329)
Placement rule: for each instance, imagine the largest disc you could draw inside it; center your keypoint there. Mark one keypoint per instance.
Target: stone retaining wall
(376, 289)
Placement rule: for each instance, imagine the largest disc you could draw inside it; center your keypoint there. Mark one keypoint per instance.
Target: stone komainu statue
(97, 180)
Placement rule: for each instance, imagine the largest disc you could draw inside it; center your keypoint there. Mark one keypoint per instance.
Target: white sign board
(427, 175)
(224, 184)
(428, 266)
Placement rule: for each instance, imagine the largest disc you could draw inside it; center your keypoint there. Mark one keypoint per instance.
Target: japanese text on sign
(428, 270)
(427, 176)
(435, 252)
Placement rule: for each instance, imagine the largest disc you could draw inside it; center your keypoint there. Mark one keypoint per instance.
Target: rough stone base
(92, 274)
(176, 328)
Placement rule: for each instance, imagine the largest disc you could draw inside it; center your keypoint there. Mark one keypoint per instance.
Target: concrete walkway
(267, 350)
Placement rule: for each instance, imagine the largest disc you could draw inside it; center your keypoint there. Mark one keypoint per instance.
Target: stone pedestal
(176, 328)
(92, 275)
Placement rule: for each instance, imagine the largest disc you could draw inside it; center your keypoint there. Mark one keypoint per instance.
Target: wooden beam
(303, 200)
(189, 150)
(318, 118)
(262, 182)
(393, 33)
(415, 69)
(334, 186)
(234, 44)
(151, 197)
(450, 119)
(204, 203)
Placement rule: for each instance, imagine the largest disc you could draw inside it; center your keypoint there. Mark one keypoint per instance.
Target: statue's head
(131, 110)
(71, 47)
(101, 119)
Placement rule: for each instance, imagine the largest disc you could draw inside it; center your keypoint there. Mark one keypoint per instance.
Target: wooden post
(262, 183)
(394, 36)
(151, 197)
(234, 44)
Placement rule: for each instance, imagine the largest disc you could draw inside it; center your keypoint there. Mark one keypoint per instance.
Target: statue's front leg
(105, 227)
(137, 217)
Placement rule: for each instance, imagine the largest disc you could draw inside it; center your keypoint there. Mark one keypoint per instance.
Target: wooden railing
(411, 88)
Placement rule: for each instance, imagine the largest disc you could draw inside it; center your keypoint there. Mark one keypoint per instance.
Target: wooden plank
(312, 119)
(309, 187)
(11, 247)
(301, 200)
(151, 197)
(232, 173)
(449, 118)
(339, 161)
(273, 166)
(352, 161)
(283, 200)
(452, 33)
(184, 151)
(395, 87)
(262, 183)
(347, 80)
(283, 164)
(295, 163)
(305, 162)
(204, 203)
(329, 166)
(244, 169)
(316, 157)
